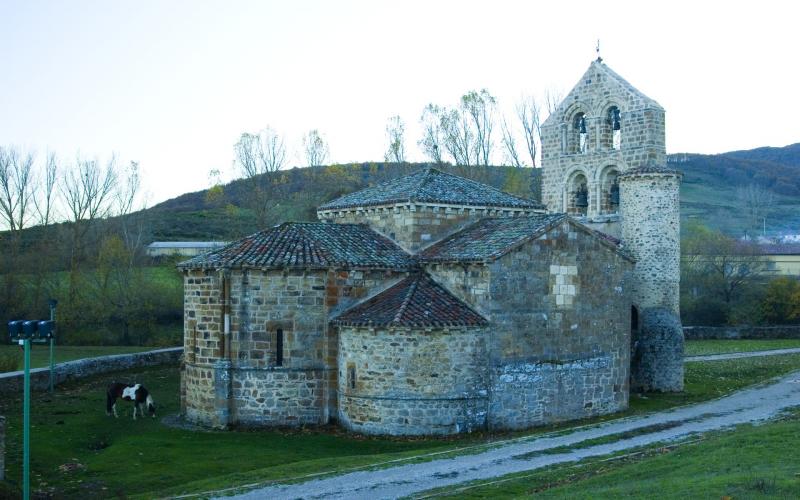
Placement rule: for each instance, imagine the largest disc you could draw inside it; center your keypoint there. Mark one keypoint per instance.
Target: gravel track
(750, 405)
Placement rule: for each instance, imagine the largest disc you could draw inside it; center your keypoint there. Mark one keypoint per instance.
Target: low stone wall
(11, 382)
(2, 448)
(741, 332)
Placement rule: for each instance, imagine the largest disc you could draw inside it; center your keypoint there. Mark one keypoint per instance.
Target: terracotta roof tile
(308, 245)
(489, 239)
(415, 301)
(431, 186)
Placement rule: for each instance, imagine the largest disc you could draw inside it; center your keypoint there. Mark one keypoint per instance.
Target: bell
(614, 194)
(582, 125)
(582, 199)
(615, 119)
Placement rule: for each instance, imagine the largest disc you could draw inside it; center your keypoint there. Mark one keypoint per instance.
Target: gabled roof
(415, 301)
(430, 186)
(613, 81)
(308, 245)
(489, 239)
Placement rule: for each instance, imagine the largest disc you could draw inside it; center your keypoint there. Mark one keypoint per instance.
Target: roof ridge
(404, 305)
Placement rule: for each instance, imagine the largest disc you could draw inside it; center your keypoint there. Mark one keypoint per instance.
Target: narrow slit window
(351, 376)
(279, 347)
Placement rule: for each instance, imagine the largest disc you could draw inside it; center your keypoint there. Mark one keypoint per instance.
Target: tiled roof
(430, 186)
(308, 245)
(489, 239)
(780, 248)
(415, 301)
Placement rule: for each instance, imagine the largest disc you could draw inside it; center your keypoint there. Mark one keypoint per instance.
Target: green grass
(752, 462)
(77, 451)
(40, 353)
(704, 347)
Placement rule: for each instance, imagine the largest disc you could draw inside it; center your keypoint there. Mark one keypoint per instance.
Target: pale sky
(173, 84)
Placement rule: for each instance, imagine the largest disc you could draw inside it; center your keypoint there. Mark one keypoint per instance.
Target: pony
(136, 393)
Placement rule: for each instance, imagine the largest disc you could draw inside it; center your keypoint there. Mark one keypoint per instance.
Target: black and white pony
(136, 393)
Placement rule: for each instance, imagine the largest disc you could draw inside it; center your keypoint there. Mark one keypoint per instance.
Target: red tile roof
(416, 301)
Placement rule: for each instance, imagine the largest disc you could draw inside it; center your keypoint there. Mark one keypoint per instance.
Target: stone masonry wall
(642, 133)
(412, 381)
(414, 226)
(741, 332)
(561, 349)
(559, 339)
(650, 206)
(12, 382)
(253, 387)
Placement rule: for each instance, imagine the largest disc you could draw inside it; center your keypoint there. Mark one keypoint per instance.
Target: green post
(52, 303)
(52, 359)
(26, 424)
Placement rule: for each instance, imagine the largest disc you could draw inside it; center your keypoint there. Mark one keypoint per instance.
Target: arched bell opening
(577, 133)
(577, 194)
(611, 129)
(609, 190)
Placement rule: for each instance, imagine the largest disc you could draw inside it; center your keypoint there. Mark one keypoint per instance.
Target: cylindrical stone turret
(650, 209)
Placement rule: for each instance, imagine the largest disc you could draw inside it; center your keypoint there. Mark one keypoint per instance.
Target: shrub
(9, 361)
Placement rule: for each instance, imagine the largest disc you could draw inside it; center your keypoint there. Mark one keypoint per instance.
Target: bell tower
(604, 163)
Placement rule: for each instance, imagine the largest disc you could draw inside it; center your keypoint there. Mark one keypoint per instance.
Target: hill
(222, 212)
(712, 192)
(714, 189)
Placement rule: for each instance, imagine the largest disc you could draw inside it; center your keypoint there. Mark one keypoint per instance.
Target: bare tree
(757, 200)
(44, 202)
(552, 98)
(395, 131)
(87, 190)
(529, 115)
(480, 106)
(510, 145)
(432, 140)
(459, 139)
(15, 187)
(16, 190)
(258, 157)
(315, 149)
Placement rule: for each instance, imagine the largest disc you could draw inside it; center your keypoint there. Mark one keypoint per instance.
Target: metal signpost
(24, 332)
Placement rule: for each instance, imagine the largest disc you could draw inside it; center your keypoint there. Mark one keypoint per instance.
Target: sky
(173, 84)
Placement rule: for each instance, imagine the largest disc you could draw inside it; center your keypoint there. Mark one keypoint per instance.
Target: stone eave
(392, 324)
(339, 267)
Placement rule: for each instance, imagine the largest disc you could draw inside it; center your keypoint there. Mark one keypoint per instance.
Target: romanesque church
(434, 304)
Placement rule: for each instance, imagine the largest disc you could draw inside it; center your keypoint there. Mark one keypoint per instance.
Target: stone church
(434, 304)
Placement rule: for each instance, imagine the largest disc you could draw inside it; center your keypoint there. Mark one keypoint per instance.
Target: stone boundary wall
(2, 448)
(11, 382)
(741, 332)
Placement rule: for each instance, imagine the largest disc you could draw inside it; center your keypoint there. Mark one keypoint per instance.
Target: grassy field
(704, 347)
(77, 451)
(752, 462)
(40, 353)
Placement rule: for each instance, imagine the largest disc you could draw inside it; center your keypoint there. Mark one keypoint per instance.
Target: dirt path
(749, 405)
(737, 355)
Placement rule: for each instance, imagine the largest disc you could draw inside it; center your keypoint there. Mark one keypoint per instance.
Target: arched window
(609, 190)
(577, 195)
(579, 126)
(614, 122)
